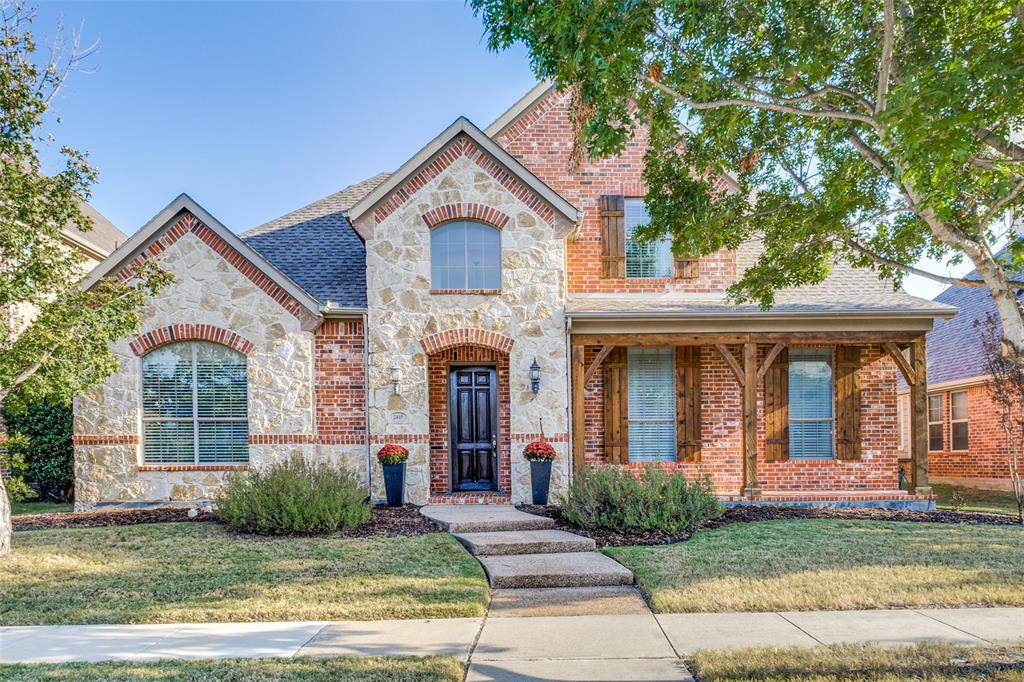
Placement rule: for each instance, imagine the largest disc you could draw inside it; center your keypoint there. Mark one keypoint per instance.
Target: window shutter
(776, 409)
(688, 436)
(616, 407)
(847, 402)
(687, 268)
(613, 235)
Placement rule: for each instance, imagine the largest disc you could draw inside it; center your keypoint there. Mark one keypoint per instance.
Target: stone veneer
(403, 311)
(207, 291)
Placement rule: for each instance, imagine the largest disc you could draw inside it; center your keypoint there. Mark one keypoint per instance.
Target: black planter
(540, 481)
(394, 483)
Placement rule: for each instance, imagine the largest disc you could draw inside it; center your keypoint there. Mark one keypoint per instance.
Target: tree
(875, 131)
(65, 347)
(1007, 391)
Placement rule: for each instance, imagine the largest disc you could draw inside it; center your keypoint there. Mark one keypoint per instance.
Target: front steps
(523, 551)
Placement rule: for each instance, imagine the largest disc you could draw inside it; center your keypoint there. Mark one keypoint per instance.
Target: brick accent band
(467, 337)
(280, 438)
(106, 439)
(465, 292)
(465, 211)
(399, 438)
(143, 343)
(192, 467)
(531, 437)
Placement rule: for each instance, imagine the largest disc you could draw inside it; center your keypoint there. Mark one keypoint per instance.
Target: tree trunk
(5, 520)
(1011, 314)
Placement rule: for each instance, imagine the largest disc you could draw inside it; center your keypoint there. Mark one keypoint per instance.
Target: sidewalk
(590, 647)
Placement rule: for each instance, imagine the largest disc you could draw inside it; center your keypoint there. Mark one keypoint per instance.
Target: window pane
(223, 442)
(935, 408)
(645, 259)
(935, 437)
(483, 253)
(958, 405)
(167, 382)
(168, 442)
(810, 402)
(652, 404)
(221, 380)
(959, 435)
(465, 255)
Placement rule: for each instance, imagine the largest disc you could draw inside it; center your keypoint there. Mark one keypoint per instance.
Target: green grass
(975, 499)
(23, 508)
(199, 572)
(832, 564)
(930, 661)
(344, 669)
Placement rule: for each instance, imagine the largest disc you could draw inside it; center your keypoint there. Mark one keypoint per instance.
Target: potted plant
(540, 454)
(392, 459)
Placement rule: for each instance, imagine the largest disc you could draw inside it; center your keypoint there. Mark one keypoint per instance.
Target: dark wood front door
(473, 410)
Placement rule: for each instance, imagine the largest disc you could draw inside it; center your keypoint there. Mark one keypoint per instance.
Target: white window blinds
(195, 405)
(810, 403)
(465, 255)
(652, 404)
(645, 259)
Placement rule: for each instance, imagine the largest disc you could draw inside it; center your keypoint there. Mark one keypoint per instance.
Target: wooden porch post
(919, 418)
(578, 372)
(750, 484)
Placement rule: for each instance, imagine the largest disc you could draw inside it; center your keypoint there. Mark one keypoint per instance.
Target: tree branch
(911, 270)
(1010, 150)
(1002, 203)
(25, 375)
(885, 64)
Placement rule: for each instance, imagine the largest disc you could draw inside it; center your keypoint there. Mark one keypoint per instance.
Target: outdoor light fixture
(395, 377)
(535, 377)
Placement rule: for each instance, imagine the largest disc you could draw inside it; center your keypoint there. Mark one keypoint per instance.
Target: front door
(473, 410)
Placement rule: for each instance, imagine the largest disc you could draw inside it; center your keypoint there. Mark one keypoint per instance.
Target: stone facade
(403, 311)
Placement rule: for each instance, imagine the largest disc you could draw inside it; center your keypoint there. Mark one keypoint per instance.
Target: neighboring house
(966, 442)
(413, 307)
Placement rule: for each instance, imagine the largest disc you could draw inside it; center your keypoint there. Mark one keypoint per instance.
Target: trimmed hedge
(48, 453)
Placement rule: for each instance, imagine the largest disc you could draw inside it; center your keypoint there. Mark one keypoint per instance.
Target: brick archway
(439, 363)
(464, 211)
(467, 337)
(143, 343)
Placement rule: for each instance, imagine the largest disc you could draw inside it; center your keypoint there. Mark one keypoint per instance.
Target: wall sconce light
(535, 377)
(395, 377)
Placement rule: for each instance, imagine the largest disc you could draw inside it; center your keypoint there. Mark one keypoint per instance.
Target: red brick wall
(986, 456)
(340, 382)
(721, 428)
(542, 141)
(437, 392)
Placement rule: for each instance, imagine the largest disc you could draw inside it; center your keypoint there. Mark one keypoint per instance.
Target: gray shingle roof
(316, 247)
(103, 235)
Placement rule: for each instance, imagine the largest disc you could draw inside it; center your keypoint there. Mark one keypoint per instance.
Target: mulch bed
(385, 521)
(613, 538)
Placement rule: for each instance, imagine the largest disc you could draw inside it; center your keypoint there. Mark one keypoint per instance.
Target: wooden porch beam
(919, 419)
(769, 359)
(735, 339)
(901, 361)
(731, 361)
(578, 391)
(596, 364)
(749, 383)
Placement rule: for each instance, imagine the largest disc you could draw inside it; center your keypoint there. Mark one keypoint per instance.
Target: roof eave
(930, 313)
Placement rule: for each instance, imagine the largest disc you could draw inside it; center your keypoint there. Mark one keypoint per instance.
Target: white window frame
(965, 421)
(941, 421)
(465, 254)
(670, 454)
(664, 241)
(195, 418)
(832, 397)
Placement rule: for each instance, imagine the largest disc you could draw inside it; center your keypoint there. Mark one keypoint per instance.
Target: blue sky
(258, 108)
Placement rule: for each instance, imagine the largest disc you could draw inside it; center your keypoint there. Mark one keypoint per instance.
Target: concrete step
(524, 542)
(567, 601)
(570, 569)
(483, 518)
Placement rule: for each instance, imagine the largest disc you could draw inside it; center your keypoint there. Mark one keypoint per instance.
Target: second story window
(465, 255)
(645, 259)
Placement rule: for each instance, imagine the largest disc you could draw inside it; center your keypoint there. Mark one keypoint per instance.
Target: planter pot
(540, 481)
(394, 483)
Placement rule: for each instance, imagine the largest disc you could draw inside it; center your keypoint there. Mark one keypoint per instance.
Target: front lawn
(26, 508)
(200, 572)
(344, 669)
(832, 564)
(974, 499)
(931, 661)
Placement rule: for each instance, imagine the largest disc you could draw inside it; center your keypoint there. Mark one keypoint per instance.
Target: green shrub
(47, 452)
(294, 497)
(656, 501)
(13, 466)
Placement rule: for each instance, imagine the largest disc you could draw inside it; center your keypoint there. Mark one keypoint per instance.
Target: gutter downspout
(366, 400)
(568, 392)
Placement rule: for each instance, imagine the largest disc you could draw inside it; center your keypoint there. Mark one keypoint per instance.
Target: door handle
(494, 442)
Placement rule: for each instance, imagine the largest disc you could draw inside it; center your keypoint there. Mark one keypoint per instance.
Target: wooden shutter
(687, 268)
(776, 409)
(616, 407)
(688, 438)
(847, 382)
(613, 235)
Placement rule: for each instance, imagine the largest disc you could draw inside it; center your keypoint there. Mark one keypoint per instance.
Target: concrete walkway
(629, 646)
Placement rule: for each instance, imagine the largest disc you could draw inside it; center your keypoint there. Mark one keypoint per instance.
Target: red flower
(539, 451)
(392, 454)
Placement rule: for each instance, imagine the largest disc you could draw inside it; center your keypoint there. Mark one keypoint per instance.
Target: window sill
(470, 292)
(814, 459)
(192, 467)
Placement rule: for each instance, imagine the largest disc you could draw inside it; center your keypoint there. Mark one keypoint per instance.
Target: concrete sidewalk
(632, 646)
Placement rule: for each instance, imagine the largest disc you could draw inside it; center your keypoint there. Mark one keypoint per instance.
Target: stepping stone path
(520, 550)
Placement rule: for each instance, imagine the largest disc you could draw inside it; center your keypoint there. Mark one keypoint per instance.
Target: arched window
(194, 404)
(465, 255)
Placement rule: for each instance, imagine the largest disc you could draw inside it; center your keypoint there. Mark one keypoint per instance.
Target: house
(474, 299)
(966, 442)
